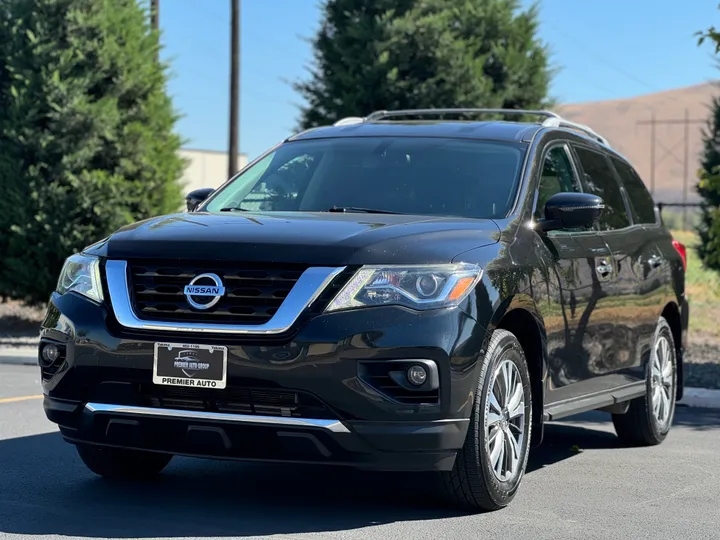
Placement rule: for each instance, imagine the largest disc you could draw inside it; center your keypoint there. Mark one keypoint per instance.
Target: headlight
(416, 287)
(81, 274)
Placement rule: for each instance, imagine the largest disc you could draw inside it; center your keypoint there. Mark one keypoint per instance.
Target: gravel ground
(19, 319)
(702, 365)
(19, 324)
(19, 328)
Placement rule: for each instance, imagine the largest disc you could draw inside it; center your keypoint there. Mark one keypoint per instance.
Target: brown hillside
(617, 120)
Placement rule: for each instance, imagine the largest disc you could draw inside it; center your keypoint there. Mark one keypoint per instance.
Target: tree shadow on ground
(13, 326)
(706, 375)
(45, 490)
(693, 417)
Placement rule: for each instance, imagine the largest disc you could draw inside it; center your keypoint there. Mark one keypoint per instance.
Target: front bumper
(391, 446)
(101, 392)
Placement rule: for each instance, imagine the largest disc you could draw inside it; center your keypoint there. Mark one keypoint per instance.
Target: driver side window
(557, 176)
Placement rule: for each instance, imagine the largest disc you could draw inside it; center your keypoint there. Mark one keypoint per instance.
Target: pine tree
(709, 189)
(346, 77)
(87, 141)
(372, 55)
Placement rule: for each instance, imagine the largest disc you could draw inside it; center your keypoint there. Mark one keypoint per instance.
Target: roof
(376, 124)
(488, 130)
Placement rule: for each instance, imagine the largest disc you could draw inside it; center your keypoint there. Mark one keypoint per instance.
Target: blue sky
(606, 49)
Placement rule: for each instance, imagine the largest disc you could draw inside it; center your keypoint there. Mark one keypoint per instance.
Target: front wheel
(118, 463)
(649, 418)
(490, 466)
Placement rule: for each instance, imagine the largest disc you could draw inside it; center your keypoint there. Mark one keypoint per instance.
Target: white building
(206, 168)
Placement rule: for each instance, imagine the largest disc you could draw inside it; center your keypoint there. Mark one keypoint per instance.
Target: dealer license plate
(193, 366)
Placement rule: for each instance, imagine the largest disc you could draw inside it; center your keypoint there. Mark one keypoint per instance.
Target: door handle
(604, 268)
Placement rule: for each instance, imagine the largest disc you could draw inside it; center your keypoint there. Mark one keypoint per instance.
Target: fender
(519, 314)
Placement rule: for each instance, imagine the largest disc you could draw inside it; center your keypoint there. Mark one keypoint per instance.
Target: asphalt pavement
(579, 484)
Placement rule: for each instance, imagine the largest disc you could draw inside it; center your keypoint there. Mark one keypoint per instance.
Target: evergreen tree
(87, 141)
(372, 55)
(346, 77)
(709, 189)
(708, 186)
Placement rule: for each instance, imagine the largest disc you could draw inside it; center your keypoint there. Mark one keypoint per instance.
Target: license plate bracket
(190, 365)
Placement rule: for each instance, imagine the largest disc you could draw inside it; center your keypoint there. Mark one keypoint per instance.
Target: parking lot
(580, 484)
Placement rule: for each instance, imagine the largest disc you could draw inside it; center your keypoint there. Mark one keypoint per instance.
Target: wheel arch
(671, 313)
(520, 315)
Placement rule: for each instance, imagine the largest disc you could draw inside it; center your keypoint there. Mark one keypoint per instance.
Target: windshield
(428, 176)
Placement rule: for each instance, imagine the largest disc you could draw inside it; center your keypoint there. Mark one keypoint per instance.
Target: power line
(601, 58)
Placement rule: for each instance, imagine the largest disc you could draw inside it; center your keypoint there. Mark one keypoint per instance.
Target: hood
(310, 238)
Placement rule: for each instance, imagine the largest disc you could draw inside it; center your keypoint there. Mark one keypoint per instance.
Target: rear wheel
(490, 466)
(118, 463)
(649, 418)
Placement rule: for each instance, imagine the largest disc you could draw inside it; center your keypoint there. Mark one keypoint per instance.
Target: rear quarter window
(640, 198)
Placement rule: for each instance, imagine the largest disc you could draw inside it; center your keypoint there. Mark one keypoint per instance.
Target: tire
(473, 483)
(643, 424)
(118, 463)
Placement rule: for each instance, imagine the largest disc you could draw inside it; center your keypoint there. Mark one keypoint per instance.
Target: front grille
(254, 401)
(253, 291)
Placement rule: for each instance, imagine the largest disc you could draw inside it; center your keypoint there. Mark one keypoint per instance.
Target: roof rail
(381, 115)
(561, 122)
(551, 119)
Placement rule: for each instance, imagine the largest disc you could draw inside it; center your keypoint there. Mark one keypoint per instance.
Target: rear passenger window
(600, 180)
(557, 176)
(640, 198)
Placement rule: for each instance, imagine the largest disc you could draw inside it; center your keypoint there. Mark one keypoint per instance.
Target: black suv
(399, 292)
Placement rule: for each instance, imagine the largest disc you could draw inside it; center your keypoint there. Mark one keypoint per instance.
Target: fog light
(417, 375)
(50, 353)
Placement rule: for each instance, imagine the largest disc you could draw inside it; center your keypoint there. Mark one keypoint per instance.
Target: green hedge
(87, 140)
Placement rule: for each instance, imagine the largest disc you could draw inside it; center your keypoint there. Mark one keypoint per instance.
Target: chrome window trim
(335, 426)
(311, 284)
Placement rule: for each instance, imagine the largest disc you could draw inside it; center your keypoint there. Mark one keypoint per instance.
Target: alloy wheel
(505, 421)
(663, 384)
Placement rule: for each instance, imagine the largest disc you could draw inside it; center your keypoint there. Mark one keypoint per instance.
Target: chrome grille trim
(335, 426)
(305, 291)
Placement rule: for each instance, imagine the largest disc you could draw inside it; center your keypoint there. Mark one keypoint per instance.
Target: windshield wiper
(359, 210)
(233, 209)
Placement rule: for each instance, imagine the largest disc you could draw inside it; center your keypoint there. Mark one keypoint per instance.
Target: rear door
(617, 314)
(651, 266)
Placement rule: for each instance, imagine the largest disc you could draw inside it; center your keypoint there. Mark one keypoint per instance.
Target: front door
(580, 273)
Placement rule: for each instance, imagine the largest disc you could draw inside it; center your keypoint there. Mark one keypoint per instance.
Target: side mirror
(571, 210)
(195, 197)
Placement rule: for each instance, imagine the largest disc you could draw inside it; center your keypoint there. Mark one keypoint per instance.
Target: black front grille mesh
(254, 291)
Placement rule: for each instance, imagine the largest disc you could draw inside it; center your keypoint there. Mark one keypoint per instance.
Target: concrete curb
(694, 397)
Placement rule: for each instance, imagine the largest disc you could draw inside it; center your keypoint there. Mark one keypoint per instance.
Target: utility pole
(652, 154)
(234, 86)
(686, 121)
(155, 22)
(685, 169)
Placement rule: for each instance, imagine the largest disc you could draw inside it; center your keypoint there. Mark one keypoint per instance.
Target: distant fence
(679, 220)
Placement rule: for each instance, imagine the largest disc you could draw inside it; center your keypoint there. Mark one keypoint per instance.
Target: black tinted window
(398, 174)
(556, 177)
(600, 180)
(639, 196)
